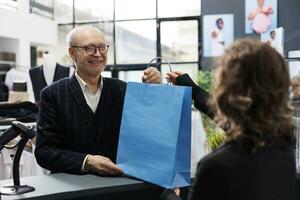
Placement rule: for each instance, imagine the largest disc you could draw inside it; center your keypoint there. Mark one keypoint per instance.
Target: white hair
(70, 38)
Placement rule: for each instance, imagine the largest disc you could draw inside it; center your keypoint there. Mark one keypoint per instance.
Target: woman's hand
(171, 76)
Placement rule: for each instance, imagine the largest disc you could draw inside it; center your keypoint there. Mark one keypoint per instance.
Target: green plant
(215, 136)
(205, 80)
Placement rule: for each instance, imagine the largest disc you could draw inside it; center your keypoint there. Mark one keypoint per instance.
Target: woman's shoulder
(227, 151)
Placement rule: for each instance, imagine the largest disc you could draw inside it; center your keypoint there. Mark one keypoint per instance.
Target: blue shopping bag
(155, 134)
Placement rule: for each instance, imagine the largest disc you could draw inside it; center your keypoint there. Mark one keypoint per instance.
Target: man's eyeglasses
(91, 49)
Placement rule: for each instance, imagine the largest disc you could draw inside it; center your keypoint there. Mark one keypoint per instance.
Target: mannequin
(44, 75)
(49, 66)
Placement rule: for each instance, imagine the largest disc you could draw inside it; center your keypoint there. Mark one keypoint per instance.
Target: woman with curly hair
(249, 101)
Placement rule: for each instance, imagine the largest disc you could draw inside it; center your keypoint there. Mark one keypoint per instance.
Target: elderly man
(80, 117)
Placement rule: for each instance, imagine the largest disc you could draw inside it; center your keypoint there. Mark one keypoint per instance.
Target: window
(135, 41)
(178, 8)
(9, 4)
(138, 31)
(93, 10)
(62, 49)
(134, 76)
(135, 9)
(63, 11)
(43, 8)
(179, 40)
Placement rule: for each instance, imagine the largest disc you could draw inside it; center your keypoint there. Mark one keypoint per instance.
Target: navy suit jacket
(68, 130)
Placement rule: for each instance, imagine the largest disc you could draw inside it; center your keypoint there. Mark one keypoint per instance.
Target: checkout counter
(66, 186)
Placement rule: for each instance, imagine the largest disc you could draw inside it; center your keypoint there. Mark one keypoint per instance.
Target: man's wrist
(84, 167)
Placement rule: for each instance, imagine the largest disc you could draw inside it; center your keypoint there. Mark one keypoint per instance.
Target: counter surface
(66, 186)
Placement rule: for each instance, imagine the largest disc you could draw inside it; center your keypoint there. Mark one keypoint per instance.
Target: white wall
(27, 29)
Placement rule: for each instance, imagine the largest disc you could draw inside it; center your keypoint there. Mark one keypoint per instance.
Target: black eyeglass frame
(91, 49)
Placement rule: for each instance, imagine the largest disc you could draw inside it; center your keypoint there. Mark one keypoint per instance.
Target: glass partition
(93, 10)
(9, 4)
(179, 40)
(63, 11)
(135, 9)
(135, 41)
(178, 8)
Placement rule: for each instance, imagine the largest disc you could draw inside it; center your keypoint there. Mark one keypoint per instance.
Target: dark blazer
(38, 78)
(232, 172)
(68, 130)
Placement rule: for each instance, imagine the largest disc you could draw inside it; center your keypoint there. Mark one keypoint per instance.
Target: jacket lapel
(80, 100)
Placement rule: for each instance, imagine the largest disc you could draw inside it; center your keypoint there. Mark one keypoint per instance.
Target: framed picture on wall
(260, 15)
(217, 34)
(274, 38)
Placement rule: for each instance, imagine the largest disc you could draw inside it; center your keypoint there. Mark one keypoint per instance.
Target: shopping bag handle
(163, 59)
(156, 58)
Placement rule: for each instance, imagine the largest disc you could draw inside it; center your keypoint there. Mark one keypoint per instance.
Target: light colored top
(17, 74)
(91, 99)
(217, 46)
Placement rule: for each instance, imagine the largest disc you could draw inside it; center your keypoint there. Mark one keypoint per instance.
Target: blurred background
(137, 31)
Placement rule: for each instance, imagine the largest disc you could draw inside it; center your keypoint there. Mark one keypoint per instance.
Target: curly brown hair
(250, 94)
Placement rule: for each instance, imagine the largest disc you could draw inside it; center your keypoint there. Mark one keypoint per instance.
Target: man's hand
(102, 165)
(151, 75)
(171, 76)
(177, 191)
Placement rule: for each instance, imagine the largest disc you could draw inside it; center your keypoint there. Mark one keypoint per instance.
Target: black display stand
(26, 133)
